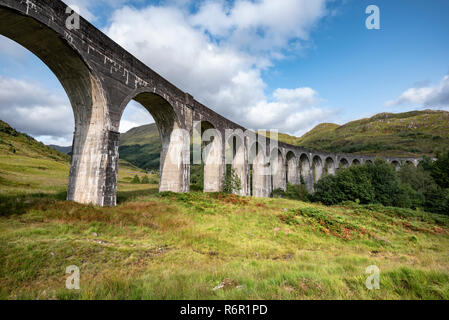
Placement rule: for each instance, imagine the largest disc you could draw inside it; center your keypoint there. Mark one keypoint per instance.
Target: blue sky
(285, 65)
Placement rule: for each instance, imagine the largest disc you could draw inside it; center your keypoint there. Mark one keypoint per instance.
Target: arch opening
(355, 162)
(212, 157)
(164, 145)
(237, 161)
(318, 169)
(396, 165)
(91, 177)
(343, 163)
(329, 166)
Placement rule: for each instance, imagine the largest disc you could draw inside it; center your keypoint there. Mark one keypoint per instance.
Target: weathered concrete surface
(278, 171)
(292, 169)
(240, 165)
(261, 176)
(101, 78)
(213, 165)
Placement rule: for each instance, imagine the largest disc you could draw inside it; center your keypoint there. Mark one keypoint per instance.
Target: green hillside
(28, 167)
(414, 133)
(17, 143)
(185, 246)
(141, 146)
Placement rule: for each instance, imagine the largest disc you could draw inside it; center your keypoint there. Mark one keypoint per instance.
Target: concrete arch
(175, 153)
(356, 162)
(278, 170)
(318, 168)
(237, 155)
(292, 168)
(260, 171)
(90, 178)
(368, 161)
(396, 165)
(343, 163)
(329, 166)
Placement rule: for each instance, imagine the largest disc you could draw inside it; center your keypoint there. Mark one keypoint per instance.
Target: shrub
(232, 183)
(347, 185)
(196, 177)
(145, 180)
(135, 179)
(368, 183)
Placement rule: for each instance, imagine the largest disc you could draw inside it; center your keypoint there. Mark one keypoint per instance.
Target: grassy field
(182, 246)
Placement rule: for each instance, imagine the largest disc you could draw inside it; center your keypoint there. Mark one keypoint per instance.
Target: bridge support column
(261, 176)
(306, 172)
(175, 161)
(241, 168)
(214, 166)
(93, 171)
(292, 171)
(278, 173)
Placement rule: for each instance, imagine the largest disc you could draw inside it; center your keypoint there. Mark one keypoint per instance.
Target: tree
(135, 179)
(440, 170)
(145, 180)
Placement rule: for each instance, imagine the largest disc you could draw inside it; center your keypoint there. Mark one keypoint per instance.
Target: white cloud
(261, 25)
(134, 115)
(425, 96)
(35, 110)
(217, 54)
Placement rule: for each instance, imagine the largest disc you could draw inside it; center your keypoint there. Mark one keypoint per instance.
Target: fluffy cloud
(425, 96)
(30, 108)
(135, 115)
(218, 52)
(259, 26)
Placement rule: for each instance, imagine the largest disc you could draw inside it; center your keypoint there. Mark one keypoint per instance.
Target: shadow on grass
(19, 204)
(124, 196)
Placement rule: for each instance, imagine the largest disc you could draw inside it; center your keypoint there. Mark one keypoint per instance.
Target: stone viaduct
(101, 78)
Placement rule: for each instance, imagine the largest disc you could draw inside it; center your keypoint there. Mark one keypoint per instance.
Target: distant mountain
(414, 133)
(66, 150)
(14, 142)
(141, 146)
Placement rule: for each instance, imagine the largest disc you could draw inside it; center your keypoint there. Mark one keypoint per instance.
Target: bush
(368, 183)
(232, 183)
(145, 180)
(378, 183)
(135, 179)
(350, 184)
(196, 177)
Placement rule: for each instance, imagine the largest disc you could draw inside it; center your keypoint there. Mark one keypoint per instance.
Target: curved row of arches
(99, 93)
